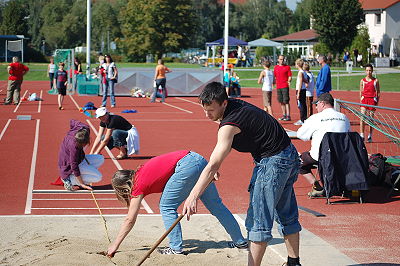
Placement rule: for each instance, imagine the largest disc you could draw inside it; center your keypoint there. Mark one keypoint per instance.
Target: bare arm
(104, 142)
(97, 140)
(361, 89)
(221, 150)
(378, 90)
(260, 78)
(126, 226)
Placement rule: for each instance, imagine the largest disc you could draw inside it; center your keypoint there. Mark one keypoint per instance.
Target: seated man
(315, 127)
(113, 132)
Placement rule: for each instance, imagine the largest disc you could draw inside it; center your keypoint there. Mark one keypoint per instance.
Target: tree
(336, 22)
(14, 17)
(156, 27)
(254, 18)
(301, 16)
(361, 42)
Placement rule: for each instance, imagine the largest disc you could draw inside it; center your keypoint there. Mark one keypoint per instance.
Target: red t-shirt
(17, 71)
(154, 174)
(369, 88)
(282, 74)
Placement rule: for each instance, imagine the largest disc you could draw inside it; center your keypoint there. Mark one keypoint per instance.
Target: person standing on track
(267, 79)
(51, 69)
(160, 80)
(283, 76)
(61, 81)
(324, 83)
(16, 72)
(247, 128)
(76, 169)
(369, 94)
(174, 175)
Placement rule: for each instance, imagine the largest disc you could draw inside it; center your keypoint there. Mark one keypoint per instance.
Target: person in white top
(51, 69)
(309, 89)
(326, 120)
(267, 79)
(301, 83)
(111, 72)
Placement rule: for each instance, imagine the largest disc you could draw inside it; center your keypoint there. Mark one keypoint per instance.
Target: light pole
(88, 26)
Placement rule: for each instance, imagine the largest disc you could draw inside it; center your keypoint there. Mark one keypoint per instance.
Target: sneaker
(316, 193)
(68, 184)
(286, 264)
(369, 140)
(287, 118)
(169, 251)
(282, 118)
(112, 106)
(298, 123)
(243, 245)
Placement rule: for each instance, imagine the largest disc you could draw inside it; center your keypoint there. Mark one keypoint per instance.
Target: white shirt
(301, 85)
(311, 84)
(109, 69)
(317, 125)
(268, 80)
(52, 68)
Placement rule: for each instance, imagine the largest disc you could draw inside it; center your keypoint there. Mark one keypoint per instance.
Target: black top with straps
(261, 134)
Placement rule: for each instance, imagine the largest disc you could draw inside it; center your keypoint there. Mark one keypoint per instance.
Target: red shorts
(369, 101)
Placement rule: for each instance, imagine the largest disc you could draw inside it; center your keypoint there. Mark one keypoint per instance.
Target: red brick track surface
(368, 233)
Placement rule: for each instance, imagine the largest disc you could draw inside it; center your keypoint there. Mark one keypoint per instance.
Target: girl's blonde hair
(122, 184)
(299, 62)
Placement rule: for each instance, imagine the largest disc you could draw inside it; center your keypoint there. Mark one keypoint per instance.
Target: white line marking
(242, 222)
(5, 128)
(104, 208)
(28, 205)
(173, 106)
(186, 100)
(59, 191)
(77, 199)
(144, 203)
(73, 100)
(20, 101)
(40, 102)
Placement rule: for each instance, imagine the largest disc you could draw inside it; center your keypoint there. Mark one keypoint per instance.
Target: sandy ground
(51, 240)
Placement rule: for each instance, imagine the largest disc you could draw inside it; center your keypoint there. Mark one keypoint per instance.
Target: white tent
(267, 43)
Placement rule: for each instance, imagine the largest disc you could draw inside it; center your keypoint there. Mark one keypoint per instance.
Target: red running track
(29, 152)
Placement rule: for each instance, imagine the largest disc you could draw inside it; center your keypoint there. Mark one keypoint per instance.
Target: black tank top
(261, 134)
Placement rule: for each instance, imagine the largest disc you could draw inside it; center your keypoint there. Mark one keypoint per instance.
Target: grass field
(248, 76)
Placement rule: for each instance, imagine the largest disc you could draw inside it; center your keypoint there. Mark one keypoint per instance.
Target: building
(382, 19)
(301, 42)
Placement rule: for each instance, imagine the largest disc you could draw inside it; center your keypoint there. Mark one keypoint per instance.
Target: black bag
(376, 172)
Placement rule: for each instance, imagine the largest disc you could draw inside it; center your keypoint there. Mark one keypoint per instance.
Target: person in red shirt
(16, 72)
(369, 94)
(283, 76)
(174, 175)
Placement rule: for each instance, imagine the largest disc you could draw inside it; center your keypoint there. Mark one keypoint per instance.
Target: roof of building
(304, 35)
(374, 4)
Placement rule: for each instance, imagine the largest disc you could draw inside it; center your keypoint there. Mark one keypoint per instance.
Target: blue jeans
(117, 139)
(162, 83)
(108, 87)
(272, 196)
(177, 189)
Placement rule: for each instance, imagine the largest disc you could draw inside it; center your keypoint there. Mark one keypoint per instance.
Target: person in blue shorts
(247, 128)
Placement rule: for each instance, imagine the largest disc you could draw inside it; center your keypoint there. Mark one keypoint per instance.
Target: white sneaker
(298, 123)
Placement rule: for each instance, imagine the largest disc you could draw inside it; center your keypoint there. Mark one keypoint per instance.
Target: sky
(291, 4)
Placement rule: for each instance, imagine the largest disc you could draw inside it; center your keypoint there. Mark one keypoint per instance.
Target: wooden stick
(161, 239)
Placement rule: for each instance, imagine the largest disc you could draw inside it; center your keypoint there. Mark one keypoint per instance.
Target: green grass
(248, 76)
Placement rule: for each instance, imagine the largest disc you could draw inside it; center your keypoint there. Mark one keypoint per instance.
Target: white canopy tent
(267, 43)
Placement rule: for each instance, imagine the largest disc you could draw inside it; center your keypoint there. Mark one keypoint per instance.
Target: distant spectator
(369, 94)
(111, 73)
(301, 82)
(324, 83)
(283, 76)
(51, 69)
(16, 72)
(267, 79)
(61, 81)
(160, 80)
(310, 86)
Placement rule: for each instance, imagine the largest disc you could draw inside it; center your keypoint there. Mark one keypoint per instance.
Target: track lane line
(23, 96)
(5, 128)
(119, 167)
(28, 205)
(176, 107)
(40, 102)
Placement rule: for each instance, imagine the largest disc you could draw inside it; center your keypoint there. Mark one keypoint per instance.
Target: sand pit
(55, 240)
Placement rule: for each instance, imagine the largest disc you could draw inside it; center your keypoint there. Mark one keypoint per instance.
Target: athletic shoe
(286, 264)
(169, 251)
(316, 193)
(369, 140)
(298, 123)
(282, 118)
(287, 118)
(243, 245)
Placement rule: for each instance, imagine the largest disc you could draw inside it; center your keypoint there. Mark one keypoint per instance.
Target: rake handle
(161, 239)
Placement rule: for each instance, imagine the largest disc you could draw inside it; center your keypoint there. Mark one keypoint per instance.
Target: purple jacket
(70, 155)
